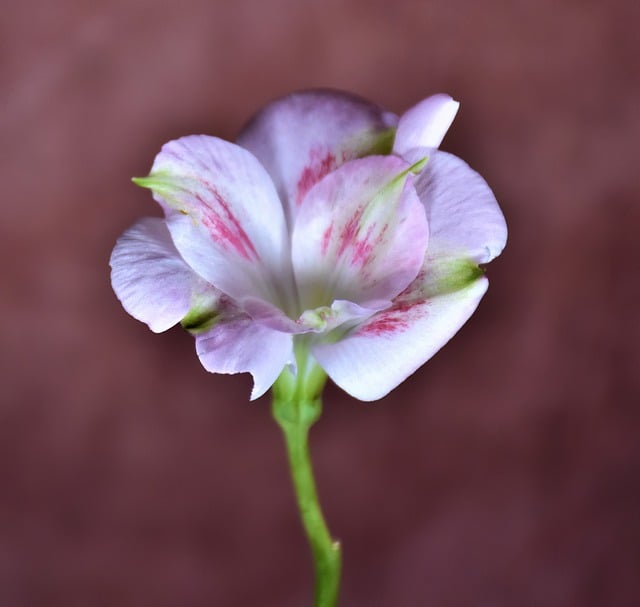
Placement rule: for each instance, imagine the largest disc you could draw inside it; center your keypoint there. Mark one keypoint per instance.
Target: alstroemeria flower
(331, 225)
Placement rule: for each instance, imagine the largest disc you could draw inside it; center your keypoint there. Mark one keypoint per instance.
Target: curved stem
(296, 411)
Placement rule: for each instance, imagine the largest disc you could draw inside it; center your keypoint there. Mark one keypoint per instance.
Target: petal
(238, 344)
(268, 315)
(319, 320)
(464, 217)
(150, 278)
(360, 234)
(224, 216)
(302, 137)
(387, 348)
(425, 124)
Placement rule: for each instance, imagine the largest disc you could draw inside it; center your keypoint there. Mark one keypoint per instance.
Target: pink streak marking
(362, 252)
(394, 320)
(317, 168)
(364, 248)
(409, 306)
(326, 237)
(225, 227)
(350, 231)
(348, 234)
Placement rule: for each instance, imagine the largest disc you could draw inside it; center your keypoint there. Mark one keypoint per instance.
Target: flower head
(331, 225)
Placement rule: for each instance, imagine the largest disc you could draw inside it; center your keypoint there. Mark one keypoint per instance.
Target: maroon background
(505, 472)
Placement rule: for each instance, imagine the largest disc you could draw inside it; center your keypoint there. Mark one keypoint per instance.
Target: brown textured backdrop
(505, 473)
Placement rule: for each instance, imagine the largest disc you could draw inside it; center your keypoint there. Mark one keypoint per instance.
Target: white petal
(239, 344)
(464, 217)
(390, 346)
(302, 137)
(425, 124)
(150, 278)
(224, 216)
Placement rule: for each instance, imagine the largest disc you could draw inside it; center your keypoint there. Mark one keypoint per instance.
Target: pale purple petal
(269, 315)
(302, 137)
(360, 234)
(425, 124)
(150, 278)
(384, 350)
(224, 216)
(464, 217)
(238, 344)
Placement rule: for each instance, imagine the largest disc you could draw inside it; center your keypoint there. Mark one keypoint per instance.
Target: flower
(331, 227)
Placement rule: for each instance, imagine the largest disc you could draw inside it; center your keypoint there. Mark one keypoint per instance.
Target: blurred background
(506, 472)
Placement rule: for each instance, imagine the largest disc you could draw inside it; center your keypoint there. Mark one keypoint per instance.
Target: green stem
(296, 407)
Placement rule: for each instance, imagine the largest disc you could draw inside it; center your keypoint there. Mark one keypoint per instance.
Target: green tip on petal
(144, 182)
(450, 275)
(399, 180)
(161, 183)
(416, 167)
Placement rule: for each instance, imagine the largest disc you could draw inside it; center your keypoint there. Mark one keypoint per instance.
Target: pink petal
(224, 216)
(425, 124)
(360, 234)
(150, 278)
(302, 137)
(238, 344)
(388, 347)
(464, 217)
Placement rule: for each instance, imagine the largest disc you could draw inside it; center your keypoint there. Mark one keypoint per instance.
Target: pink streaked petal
(360, 234)
(238, 344)
(150, 278)
(390, 346)
(425, 124)
(302, 137)
(224, 215)
(464, 217)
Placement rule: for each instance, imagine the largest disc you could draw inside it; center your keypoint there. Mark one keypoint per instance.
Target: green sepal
(306, 382)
